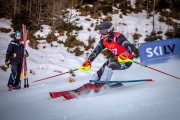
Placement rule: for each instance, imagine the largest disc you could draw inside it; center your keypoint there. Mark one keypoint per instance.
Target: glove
(5, 67)
(124, 55)
(86, 66)
(86, 63)
(14, 55)
(26, 55)
(7, 64)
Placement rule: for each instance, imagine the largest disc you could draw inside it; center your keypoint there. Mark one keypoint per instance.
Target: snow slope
(137, 101)
(158, 100)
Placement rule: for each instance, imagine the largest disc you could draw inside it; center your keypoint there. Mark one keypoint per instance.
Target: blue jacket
(15, 52)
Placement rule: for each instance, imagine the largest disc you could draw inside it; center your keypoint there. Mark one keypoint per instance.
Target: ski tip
(149, 80)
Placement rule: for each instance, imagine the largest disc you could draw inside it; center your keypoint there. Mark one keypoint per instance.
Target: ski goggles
(106, 31)
(103, 32)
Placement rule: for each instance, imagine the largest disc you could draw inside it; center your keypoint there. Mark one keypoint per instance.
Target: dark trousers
(14, 78)
(114, 64)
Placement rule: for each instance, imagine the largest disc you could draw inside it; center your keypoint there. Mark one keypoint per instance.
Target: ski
(124, 81)
(66, 94)
(94, 85)
(26, 84)
(85, 89)
(55, 94)
(24, 61)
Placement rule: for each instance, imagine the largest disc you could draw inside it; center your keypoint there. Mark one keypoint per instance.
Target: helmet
(105, 28)
(17, 33)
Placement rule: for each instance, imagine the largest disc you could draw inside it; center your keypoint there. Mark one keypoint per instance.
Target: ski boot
(17, 87)
(10, 88)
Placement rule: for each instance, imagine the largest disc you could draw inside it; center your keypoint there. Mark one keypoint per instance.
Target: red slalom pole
(157, 70)
(54, 76)
(23, 58)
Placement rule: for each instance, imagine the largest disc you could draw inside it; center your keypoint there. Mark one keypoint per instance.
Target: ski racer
(121, 59)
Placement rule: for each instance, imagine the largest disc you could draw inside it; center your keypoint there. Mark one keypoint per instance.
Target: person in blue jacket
(14, 58)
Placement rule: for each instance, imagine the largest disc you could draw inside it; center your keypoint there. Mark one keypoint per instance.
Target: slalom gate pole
(124, 81)
(156, 70)
(55, 75)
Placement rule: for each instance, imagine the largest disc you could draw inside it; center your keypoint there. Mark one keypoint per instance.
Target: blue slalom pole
(124, 81)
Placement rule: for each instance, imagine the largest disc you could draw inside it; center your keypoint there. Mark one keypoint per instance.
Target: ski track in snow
(137, 101)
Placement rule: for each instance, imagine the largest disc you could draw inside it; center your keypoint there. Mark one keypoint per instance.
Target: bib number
(114, 51)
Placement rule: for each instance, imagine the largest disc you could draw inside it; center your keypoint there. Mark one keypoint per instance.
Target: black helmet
(106, 27)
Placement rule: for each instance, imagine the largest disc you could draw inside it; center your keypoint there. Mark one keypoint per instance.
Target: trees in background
(34, 13)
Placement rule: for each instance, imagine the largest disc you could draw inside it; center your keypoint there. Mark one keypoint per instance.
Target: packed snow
(158, 100)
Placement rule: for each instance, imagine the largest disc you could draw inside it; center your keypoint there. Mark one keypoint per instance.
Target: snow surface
(158, 100)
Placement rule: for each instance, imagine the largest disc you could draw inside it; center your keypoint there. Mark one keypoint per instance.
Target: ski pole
(55, 75)
(156, 70)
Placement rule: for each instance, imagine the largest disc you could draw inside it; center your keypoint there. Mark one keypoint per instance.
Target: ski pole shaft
(157, 70)
(54, 75)
(124, 81)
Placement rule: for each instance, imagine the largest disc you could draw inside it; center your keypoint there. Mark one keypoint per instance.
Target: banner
(159, 51)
